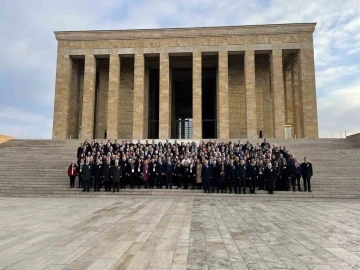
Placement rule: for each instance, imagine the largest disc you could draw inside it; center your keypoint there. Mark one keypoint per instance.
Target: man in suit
(107, 175)
(169, 169)
(242, 176)
(86, 175)
(307, 173)
(98, 175)
(116, 174)
(206, 175)
(231, 174)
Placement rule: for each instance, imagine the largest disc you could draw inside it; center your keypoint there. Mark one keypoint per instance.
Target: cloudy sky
(28, 48)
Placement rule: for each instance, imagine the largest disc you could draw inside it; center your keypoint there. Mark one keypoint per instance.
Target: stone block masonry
(265, 79)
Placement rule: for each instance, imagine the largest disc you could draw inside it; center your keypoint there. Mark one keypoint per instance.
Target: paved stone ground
(101, 233)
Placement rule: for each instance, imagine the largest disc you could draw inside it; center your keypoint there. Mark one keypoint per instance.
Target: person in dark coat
(86, 175)
(216, 176)
(81, 164)
(186, 174)
(192, 168)
(260, 175)
(178, 173)
(296, 175)
(260, 134)
(169, 169)
(286, 174)
(131, 173)
(270, 176)
(307, 173)
(222, 179)
(107, 175)
(72, 173)
(139, 173)
(153, 172)
(98, 175)
(159, 174)
(206, 176)
(231, 174)
(116, 174)
(124, 164)
(241, 176)
(251, 175)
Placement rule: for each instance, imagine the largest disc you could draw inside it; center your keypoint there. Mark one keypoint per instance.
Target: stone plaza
(108, 233)
(192, 83)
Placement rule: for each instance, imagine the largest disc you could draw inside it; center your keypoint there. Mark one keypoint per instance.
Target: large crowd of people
(212, 166)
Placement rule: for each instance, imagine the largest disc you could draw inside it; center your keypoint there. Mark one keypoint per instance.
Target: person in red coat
(72, 173)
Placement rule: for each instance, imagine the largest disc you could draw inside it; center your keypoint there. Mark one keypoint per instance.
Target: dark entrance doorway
(181, 109)
(209, 106)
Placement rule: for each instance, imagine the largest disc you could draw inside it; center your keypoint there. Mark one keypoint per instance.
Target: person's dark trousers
(307, 185)
(206, 183)
(139, 181)
(116, 186)
(287, 183)
(80, 182)
(298, 182)
(146, 184)
(168, 180)
(242, 184)
(236, 185)
(215, 184)
(252, 185)
(72, 181)
(230, 185)
(97, 183)
(123, 182)
(152, 180)
(107, 186)
(186, 182)
(261, 182)
(86, 185)
(293, 182)
(178, 181)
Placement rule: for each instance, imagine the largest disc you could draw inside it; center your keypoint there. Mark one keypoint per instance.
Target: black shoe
(310, 190)
(254, 192)
(204, 191)
(245, 193)
(166, 187)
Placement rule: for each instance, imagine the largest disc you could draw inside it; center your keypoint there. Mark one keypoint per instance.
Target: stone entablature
(187, 32)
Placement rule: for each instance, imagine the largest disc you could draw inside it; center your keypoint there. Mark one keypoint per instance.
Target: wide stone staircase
(36, 168)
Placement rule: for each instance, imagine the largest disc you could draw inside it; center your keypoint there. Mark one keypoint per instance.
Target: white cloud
(16, 122)
(338, 111)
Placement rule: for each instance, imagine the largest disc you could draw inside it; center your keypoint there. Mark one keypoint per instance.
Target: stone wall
(237, 105)
(354, 137)
(126, 98)
(102, 97)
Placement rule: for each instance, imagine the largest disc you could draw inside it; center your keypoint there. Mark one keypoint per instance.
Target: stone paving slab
(178, 233)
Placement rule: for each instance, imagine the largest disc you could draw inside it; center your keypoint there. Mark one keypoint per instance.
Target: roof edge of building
(187, 32)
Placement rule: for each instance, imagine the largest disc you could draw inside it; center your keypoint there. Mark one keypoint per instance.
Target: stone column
(296, 98)
(250, 93)
(223, 97)
(197, 95)
(62, 92)
(113, 96)
(138, 111)
(277, 88)
(289, 116)
(164, 98)
(87, 128)
(308, 93)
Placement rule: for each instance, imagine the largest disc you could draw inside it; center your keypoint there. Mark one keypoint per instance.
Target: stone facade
(265, 79)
